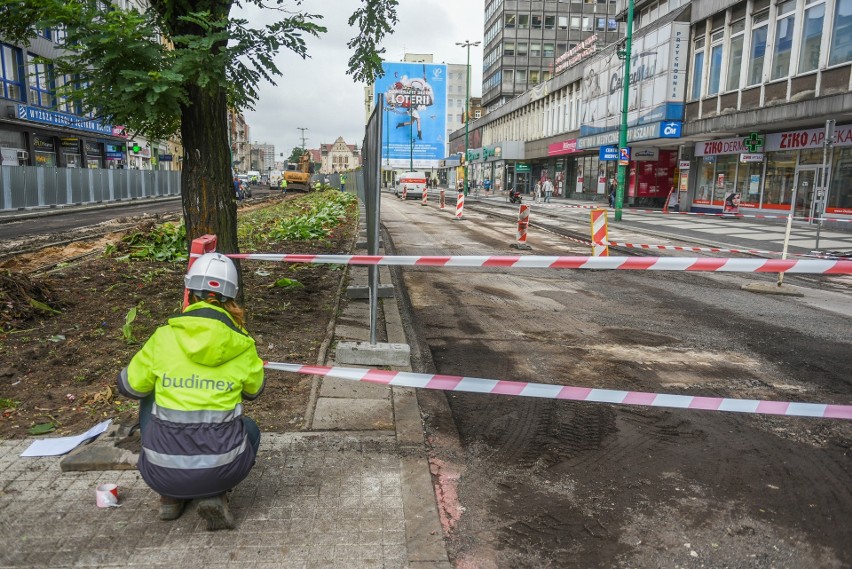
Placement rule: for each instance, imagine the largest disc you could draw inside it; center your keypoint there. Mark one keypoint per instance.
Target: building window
(735, 55)
(509, 48)
(563, 22)
(783, 39)
(534, 76)
(11, 64)
(715, 77)
(522, 48)
(41, 83)
(758, 48)
(841, 34)
(523, 21)
(521, 78)
(536, 22)
(535, 50)
(547, 50)
(510, 20)
(811, 38)
(587, 24)
(549, 22)
(697, 68)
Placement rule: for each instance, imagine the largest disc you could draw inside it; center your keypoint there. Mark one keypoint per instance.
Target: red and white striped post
(599, 233)
(523, 224)
(198, 247)
(423, 197)
(460, 206)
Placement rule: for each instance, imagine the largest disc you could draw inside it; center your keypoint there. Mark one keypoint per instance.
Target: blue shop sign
(43, 116)
(670, 129)
(609, 153)
(165, 157)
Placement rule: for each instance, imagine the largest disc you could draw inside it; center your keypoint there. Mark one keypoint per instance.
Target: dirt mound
(22, 299)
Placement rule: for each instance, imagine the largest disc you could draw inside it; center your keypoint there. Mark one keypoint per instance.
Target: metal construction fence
(35, 186)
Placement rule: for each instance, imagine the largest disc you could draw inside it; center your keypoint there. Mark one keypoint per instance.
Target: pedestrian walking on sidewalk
(537, 191)
(191, 377)
(612, 189)
(548, 190)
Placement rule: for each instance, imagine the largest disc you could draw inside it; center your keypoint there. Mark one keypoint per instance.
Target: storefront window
(780, 173)
(726, 175)
(811, 156)
(840, 186)
(748, 183)
(45, 152)
(705, 181)
(841, 35)
(811, 38)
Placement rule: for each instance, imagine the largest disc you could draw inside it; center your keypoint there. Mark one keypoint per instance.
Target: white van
(410, 185)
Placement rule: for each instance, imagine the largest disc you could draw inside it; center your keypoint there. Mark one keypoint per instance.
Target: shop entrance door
(806, 182)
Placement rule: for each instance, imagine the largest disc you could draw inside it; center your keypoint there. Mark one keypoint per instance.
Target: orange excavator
(298, 175)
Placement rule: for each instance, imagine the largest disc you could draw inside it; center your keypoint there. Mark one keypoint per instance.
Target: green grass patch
(308, 217)
(166, 242)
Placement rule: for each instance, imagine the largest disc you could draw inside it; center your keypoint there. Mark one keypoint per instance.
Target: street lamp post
(467, 45)
(410, 138)
(622, 135)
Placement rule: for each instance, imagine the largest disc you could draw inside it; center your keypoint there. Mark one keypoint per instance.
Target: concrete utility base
(363, 244)
(365, 353)
(522, 246)
(116, 449)
(772, 288)
(360, 292)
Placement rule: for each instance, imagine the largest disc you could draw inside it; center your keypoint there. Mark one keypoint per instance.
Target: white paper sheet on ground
(62, 445)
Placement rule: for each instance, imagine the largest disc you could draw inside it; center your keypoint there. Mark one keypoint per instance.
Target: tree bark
(209, 202)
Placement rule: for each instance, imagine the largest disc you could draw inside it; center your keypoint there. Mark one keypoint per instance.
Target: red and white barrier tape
(716, 264)
(572, 393)
(700, 249)
(749, 215)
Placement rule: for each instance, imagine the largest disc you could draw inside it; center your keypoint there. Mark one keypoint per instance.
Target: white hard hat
(213, 272)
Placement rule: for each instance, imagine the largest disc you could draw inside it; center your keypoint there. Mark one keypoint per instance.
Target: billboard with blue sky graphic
(414, 107)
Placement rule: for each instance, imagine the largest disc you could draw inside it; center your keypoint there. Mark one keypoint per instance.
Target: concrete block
(346, 388)
(364, 353)
(360, 292)
(772, 288)
(363, 244)
(343, 414)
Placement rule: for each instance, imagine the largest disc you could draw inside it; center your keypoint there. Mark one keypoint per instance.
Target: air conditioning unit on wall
(23, 155)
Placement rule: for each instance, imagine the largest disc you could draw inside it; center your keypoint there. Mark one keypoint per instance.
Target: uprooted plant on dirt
(65, 336)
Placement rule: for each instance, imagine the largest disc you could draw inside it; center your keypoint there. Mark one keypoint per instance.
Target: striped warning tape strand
(572, 393)
(711, 249)
(714, 264)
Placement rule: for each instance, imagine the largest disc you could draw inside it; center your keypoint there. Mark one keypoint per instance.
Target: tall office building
(525, 40)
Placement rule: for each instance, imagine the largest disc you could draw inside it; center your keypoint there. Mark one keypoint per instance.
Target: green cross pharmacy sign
(753, 142)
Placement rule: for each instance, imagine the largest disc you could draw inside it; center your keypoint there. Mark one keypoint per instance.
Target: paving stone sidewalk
(358, 495)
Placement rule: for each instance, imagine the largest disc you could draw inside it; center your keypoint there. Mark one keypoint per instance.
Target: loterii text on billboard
(414, 104)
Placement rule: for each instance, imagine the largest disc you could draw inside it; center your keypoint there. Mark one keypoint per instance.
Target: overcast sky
(318, 94)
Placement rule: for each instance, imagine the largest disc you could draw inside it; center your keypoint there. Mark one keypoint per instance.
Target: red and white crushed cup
(106, 496)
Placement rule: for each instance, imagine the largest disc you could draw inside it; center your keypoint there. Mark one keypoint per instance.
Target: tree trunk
(209, 202)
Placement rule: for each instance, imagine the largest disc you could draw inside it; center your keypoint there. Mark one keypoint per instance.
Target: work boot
(215, 510)
(171, 508)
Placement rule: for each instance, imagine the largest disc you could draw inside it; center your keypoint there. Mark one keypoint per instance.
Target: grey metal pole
(824, 178)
